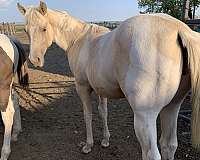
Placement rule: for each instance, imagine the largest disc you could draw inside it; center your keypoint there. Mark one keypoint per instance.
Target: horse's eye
(44, 29)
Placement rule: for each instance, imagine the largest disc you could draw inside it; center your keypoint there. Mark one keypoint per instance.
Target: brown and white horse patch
(6, 76)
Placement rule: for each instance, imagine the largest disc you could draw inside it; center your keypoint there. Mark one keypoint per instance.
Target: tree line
(177, 8)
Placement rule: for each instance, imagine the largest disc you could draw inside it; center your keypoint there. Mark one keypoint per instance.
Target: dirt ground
(53, 125)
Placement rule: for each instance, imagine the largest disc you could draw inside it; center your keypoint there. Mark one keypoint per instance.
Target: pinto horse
(152, 60)
(12, 61)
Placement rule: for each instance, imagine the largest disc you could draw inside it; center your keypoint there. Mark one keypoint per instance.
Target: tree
(171, 7)
(186, 10)
(194, 5)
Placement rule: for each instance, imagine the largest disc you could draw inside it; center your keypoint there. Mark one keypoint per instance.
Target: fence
(7, 28)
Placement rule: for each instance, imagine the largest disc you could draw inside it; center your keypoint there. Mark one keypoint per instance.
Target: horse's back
(9, 47)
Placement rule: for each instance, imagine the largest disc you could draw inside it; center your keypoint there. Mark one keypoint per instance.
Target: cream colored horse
(141, 60)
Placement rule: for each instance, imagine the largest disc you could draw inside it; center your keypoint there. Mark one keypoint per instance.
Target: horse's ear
(21, 8)
(43, 8)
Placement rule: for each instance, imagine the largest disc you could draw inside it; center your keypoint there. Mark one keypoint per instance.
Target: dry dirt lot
(53, 125)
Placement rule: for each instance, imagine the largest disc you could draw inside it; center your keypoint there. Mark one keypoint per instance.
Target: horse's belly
(105, 85)
(109, 92)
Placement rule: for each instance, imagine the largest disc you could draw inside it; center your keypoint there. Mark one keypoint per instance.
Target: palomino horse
(145, 60)
(12, 61)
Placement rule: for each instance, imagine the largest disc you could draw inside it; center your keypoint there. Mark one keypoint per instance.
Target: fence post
(1, 28)
(14, 28)
(7, 28)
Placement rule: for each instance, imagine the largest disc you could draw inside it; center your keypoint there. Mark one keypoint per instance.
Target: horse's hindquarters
(149, 79)
(148, 61)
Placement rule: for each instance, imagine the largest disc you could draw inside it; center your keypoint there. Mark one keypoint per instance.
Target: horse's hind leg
(168, 140)
(146, 132)
(17, 128)
(84, 91)
(8, 122)
(168, 117)
(145, 116)
(103, 110)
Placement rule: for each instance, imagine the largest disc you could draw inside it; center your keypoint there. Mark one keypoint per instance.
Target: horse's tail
(22, 67)
(191, 41)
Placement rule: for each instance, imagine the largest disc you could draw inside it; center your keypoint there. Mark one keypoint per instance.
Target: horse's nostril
(38, 59)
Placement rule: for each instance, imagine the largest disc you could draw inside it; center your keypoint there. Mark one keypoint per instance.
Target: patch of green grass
(19, 28)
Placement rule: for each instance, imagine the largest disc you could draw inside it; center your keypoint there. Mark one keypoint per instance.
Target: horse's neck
(71, 34)
(66, 28)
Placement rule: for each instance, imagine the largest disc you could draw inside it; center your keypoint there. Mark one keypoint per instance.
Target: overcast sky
(88, 10)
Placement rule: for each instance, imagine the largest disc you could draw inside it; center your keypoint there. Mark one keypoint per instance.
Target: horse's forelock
(33, 15)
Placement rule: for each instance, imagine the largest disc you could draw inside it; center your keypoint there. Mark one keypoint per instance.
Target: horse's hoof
(105, 143)
(87, 149)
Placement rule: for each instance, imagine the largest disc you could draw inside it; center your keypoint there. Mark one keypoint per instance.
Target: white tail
(191, 41)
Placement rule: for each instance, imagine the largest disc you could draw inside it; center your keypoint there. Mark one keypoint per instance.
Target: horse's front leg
(84, 92)
(8, 122)
(103, 111)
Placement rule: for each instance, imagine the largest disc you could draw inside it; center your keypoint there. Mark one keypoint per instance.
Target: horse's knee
(102, 107)
(15, 99)
(8, 116)
(101, 111)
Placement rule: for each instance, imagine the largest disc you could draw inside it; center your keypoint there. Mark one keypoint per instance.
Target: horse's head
(39, 30)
